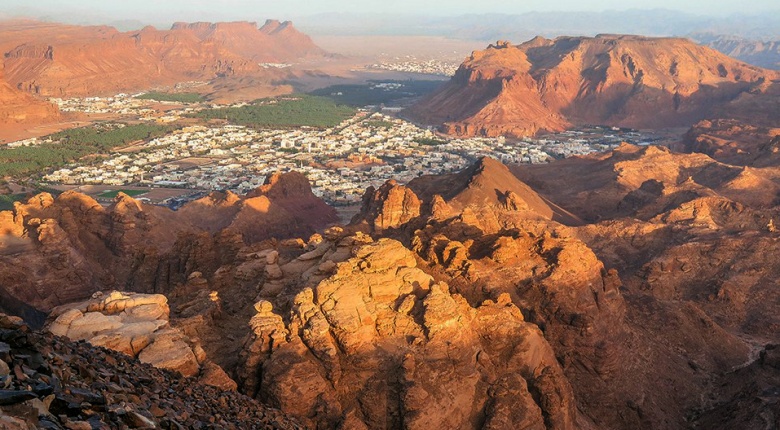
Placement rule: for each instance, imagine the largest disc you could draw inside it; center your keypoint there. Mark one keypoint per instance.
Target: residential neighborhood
(340, 162)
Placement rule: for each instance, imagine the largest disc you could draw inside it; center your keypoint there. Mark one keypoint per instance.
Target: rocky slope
(744, 133)
(17, 107)
(48, 382)
(56, 60)
(138, 325)
(74, 247)
(632, 289)
(546, 85)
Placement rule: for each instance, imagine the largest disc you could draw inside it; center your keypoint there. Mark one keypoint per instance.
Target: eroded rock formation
(380, 344)
(532, 297)
(49, 382)
(75, 247)
(138, 325)
(547, 85)
(56, 60)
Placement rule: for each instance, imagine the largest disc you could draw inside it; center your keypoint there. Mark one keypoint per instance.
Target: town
(413, 65)
(340, 162)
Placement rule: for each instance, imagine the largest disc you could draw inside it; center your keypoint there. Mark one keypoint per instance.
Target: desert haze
(332, 225)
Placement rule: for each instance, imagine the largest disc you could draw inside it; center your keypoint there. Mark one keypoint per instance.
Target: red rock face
(494, 297)
(284, 207)
(615, 80)
(60, 60)
(74, 247)
(743, 133)
(17, 107)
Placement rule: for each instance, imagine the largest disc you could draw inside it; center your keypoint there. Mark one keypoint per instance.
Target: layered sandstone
(547, 85)
(75, 247)
(57, 60)
(137, 325)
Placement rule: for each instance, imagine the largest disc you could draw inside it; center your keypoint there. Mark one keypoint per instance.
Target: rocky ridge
(500, 297)
(618, 80)
(75, 247)
(762, 53)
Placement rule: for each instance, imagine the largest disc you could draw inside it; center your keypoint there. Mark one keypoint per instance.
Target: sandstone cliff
(56, 60)
(17, 107)
(547, 85)
(632, 289)
(75, 247)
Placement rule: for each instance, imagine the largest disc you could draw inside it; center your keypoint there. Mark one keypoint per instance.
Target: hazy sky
(171, 10)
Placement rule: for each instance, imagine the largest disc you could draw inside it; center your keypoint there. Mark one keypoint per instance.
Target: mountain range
(634, 288)
(55, 60)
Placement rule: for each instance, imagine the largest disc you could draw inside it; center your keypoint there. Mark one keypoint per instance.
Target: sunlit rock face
(548, 85)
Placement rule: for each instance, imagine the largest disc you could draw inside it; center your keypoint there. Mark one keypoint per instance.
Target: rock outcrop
(19, 108)
(283, 207)
(487, 194)
(390, 206)
(75, 247)
(49, 382)
(379, 343)
(137, 325)
(547, 85)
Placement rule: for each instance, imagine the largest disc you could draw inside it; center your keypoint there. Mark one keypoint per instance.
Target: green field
(112, 194)
(70, 145)
(284, 112)
(371, 94)
(7, 201)
(172, 97)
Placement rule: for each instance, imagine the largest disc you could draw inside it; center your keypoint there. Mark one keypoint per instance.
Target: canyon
(540, 296)
(633, 288)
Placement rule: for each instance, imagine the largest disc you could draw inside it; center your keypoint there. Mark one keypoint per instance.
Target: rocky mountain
(547, 85)
(75, 247)
(745, 133)
(761, 53)
(56, 60)
(631, 289)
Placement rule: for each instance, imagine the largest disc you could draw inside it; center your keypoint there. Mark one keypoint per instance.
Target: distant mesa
(618, 80)
(58, 60)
